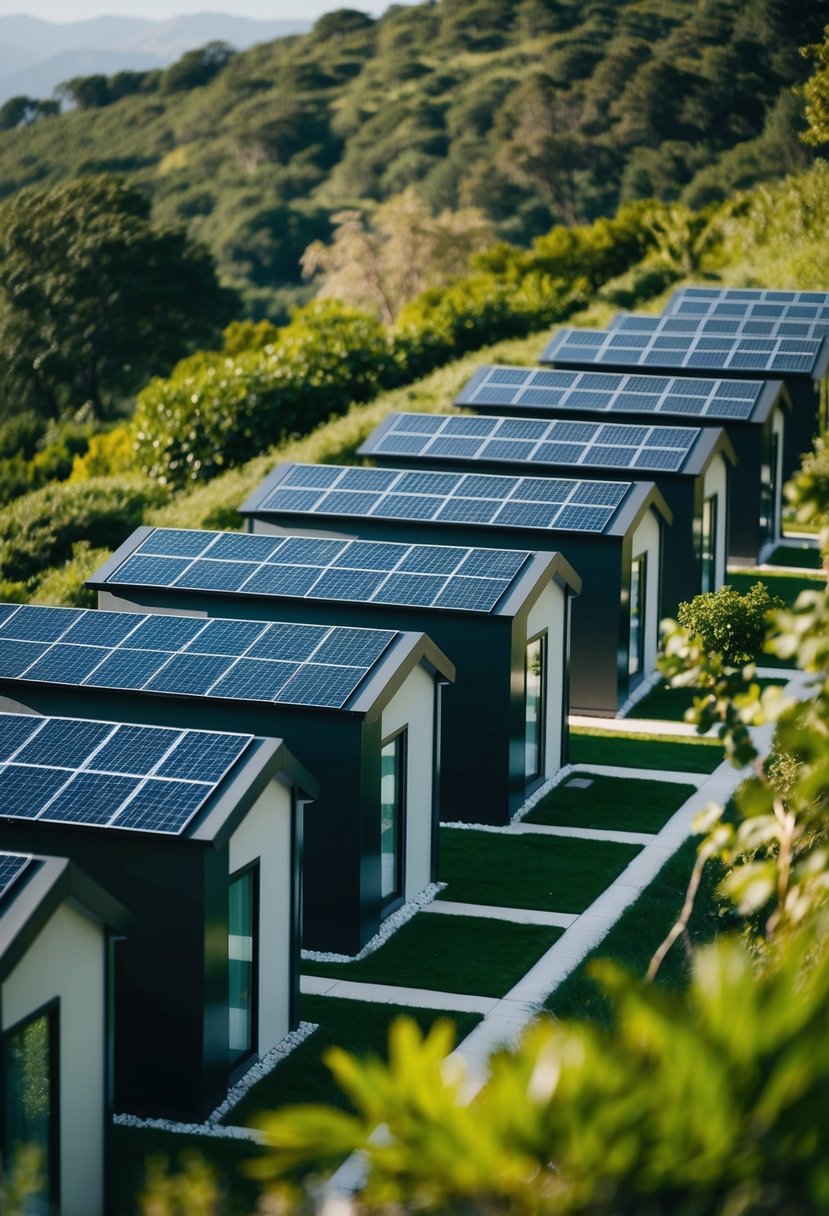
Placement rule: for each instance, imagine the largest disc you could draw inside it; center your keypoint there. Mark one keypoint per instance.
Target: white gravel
(257, 1072)
(389, 926)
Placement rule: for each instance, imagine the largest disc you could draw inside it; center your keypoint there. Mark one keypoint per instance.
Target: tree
(401, 250)
(22, 111)
(197, 68)
(816, 92)
(730, 624)
(94, 299)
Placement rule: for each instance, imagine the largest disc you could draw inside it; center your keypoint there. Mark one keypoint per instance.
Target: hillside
(536, 111)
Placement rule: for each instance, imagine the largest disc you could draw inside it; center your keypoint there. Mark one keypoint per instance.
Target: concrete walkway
(518, 916)
(635, 774)
(392, 994)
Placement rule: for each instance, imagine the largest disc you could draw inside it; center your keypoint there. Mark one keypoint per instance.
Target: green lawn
(640, 930)
(454, 954)
(360, 1026)
(787, 586)
(554, 874)
(132, 1147)
(670, 704)
(628, 805)
(694, 755)
(806, 559)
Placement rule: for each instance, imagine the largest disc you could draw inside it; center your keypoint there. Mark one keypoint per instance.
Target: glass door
(30, 1104)
(636, 653)
(392, 818)
(243, 957)
(709, 544)
(535, 706)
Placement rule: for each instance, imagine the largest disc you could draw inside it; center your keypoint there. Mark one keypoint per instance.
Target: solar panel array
(762, 356)
(313, 665)
(751, 326)
(11, 868)
(376, 572)
(557, 442)
(749, 302)
(471, 498)
(605, 392)
(144, 778)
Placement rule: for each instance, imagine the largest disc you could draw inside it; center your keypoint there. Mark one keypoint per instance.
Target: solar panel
(762, 356)
(145, 778)
(620, 393)
(482, 500)
(750, 303)
(192, 656)
(713, 324)
(11, 869)
(592, 444)
(357, 571)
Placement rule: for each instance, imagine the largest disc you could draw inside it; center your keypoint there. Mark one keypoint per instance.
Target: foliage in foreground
(731, 624)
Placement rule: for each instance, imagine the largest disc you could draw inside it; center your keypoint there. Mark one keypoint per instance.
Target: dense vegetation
(535, 111)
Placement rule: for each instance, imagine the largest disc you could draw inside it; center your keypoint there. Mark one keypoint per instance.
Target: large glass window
(243, 956)
(636, 654)
(392, 816)
(774, 488)
(534, 707)
(709, 544)
(30, 1077)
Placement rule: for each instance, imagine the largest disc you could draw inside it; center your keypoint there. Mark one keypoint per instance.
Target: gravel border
(256, 1073)
(389, 926)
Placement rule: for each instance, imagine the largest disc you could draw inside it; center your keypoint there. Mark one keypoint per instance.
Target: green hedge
(218, 409)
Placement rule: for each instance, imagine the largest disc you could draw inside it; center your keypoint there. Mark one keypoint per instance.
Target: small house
(58, 930)
(754, 415)
(503, 721)
(690, 466)
(801, 363)
(610, 532)
(195, 834)
(361, 705)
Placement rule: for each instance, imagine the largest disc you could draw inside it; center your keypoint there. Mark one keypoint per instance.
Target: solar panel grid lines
(359, 571)
(612, 347)
(11, 869)
(620, 392)
(194, 656)
(714, 325)
(557, 441)
(145, 778)
(749, 302)
(472, 498)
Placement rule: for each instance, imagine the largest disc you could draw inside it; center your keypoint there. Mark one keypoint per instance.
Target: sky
(162, 10)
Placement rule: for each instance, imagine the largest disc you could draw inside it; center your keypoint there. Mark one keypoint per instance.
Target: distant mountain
(35, 55)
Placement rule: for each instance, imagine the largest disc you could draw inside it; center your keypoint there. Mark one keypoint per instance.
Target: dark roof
(749, 302)
(746, 325)
(381, 573)
(150, 779)
(547, 506)
(320, 667)
(635, 449)
(534, 391)
(787, 358)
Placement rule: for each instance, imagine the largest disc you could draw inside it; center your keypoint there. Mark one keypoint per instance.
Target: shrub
(732, 625)
(40, 529)
(110, 452)
(66, 584)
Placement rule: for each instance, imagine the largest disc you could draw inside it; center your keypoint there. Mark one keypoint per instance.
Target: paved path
(392, 994)
(519, 916)
(634, 774)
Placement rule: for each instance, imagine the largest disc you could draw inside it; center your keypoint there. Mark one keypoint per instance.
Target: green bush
(66, 584)
(39, 530)
(732, 625)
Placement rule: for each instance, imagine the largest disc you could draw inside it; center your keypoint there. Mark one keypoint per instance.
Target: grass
(787, 586)
(133, 1147)
(670, 704)
(693, 755)
(612, 802)
(640, 930)
(806, 559)
(361, 1027)
(551, 874)
(456, 954)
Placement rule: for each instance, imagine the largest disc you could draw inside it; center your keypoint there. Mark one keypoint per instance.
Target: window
(774, 488)
(535, 706)
(636, 654)
(243, 960)
(392, 817)
(709, 544)
(30, 1101)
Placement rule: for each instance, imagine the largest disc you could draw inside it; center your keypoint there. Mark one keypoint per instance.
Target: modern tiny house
(754, 415)
(690, 466)
(57, 931)
(362, 704)
(196, 833)
(609, 532)
(801, 363)
(503, 721)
